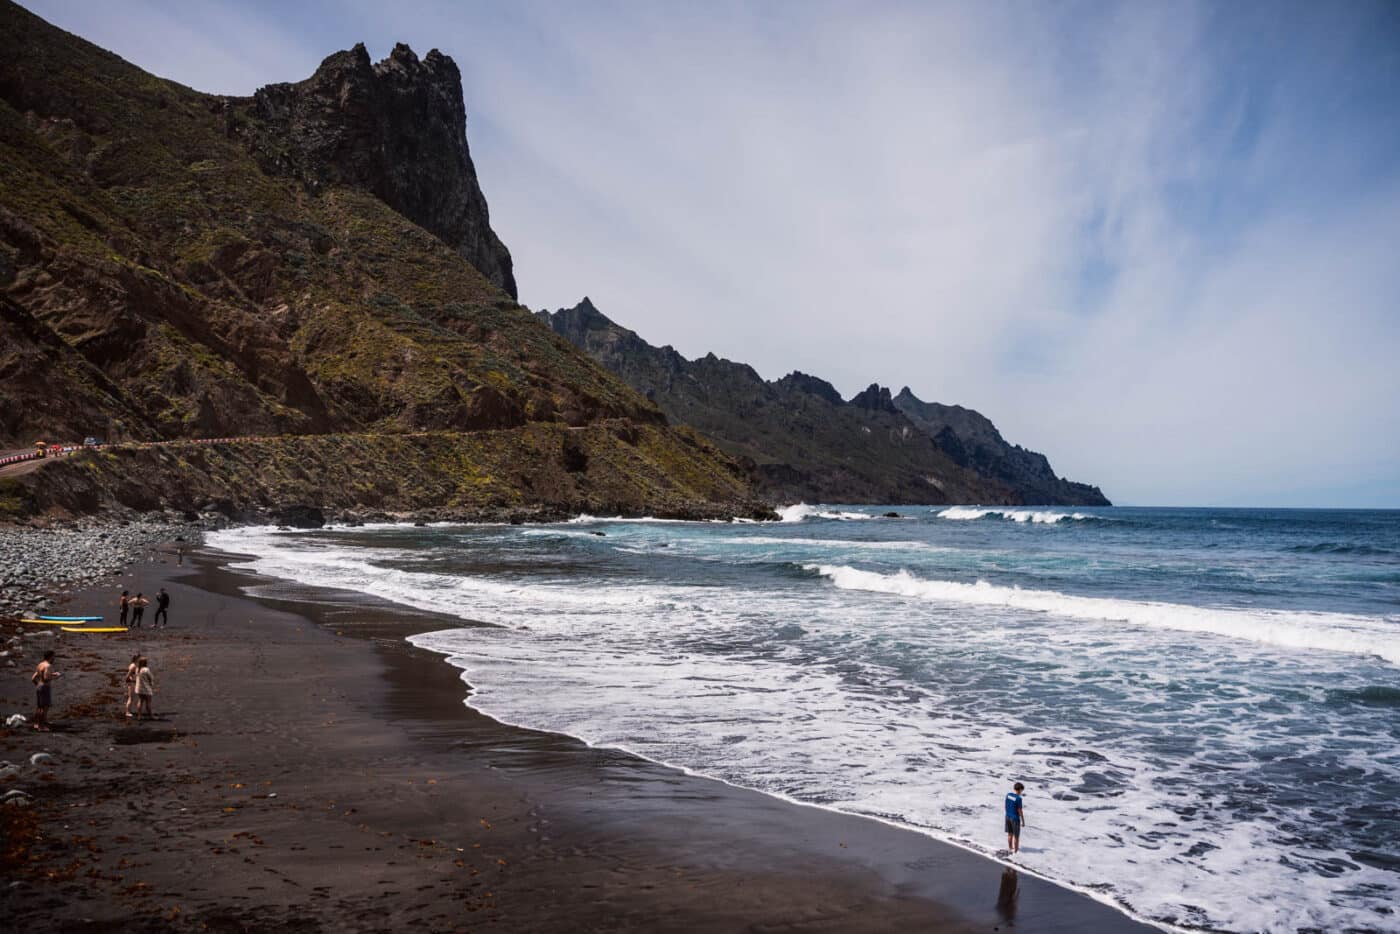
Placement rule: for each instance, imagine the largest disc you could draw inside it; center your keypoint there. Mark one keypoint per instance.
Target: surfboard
(70, 619)
(45, 622)
(94, 629)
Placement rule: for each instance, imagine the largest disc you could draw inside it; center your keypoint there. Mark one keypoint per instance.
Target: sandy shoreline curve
(311, 770)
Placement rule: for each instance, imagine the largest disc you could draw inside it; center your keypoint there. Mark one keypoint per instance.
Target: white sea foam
(801, 511)
(585, 519)
(1330, 632)
(1035, 516)
(831, 543)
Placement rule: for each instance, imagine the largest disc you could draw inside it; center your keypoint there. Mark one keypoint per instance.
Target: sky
(1158, 241)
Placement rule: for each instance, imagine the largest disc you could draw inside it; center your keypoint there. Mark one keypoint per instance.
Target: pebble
(40, 757)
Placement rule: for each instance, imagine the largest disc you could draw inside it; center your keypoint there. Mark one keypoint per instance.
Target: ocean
(1204, 704)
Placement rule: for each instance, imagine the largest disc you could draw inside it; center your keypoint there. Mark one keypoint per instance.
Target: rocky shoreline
(40, 565)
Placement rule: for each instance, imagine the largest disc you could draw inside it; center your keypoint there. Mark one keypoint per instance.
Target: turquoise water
(1204, 704)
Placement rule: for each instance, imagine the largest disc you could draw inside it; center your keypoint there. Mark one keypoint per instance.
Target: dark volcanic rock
(798, 381)
(971, 439)
(802, 440)
(300, 517)
(874, 398)
(397, 129)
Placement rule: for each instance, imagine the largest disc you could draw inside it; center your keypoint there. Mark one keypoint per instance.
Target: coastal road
(28, 461)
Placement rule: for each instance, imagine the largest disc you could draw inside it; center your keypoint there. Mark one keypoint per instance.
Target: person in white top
(145, 688)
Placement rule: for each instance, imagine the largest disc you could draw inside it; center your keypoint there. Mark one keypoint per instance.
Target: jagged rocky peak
(397, 129)
(583, 315)
(875, 398)
(812, 385)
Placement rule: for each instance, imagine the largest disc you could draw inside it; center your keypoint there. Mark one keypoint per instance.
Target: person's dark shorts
(1013, 827)
(43, 696)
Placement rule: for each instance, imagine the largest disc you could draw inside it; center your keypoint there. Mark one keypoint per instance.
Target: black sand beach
(309, 770)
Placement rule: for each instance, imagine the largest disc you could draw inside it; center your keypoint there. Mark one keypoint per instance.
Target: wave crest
(1330, 632)
(1034, 516)
(801, 511)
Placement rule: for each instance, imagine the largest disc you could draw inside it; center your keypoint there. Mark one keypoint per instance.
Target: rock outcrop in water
(808, 443)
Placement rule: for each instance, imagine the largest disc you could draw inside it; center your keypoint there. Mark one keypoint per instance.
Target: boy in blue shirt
(1015, 816)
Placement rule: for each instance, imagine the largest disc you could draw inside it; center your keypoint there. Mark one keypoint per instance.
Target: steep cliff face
(67, 398)
(805, 441)
(971, 439)
(397, 129)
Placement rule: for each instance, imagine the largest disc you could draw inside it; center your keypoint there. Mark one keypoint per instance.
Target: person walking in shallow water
(1015, 817)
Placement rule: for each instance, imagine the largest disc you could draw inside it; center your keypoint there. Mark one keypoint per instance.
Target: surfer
(43, 675)
(1015, 816)
(138, 606)
(162, 616)
(125, 604)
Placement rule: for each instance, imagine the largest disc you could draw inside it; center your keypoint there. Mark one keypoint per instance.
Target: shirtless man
(43, 693)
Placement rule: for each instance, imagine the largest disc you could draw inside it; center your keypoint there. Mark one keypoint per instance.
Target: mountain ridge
(807, 442)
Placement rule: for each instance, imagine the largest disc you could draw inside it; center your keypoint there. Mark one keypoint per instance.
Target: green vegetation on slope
(136, 223)
(165, 273)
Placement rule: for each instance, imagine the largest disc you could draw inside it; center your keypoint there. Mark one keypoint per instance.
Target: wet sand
(309, 770)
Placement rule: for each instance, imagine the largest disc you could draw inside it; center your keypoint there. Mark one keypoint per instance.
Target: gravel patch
(40, 565)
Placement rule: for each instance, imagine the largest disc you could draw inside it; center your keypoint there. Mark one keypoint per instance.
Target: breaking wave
(801, 511)
(1034, 516)
(1329, 632)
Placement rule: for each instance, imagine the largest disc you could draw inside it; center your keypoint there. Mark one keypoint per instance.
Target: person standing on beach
(43, 676)
(145, 688)
(162, 616)
(131, 683)
(1015, 817)
(138, 606)
(125, 604)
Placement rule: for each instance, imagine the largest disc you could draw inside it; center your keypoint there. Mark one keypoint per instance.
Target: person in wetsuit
(162, 609)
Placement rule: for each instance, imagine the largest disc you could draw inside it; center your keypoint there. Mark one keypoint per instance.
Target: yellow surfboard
(47, 622)
(94, 629)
